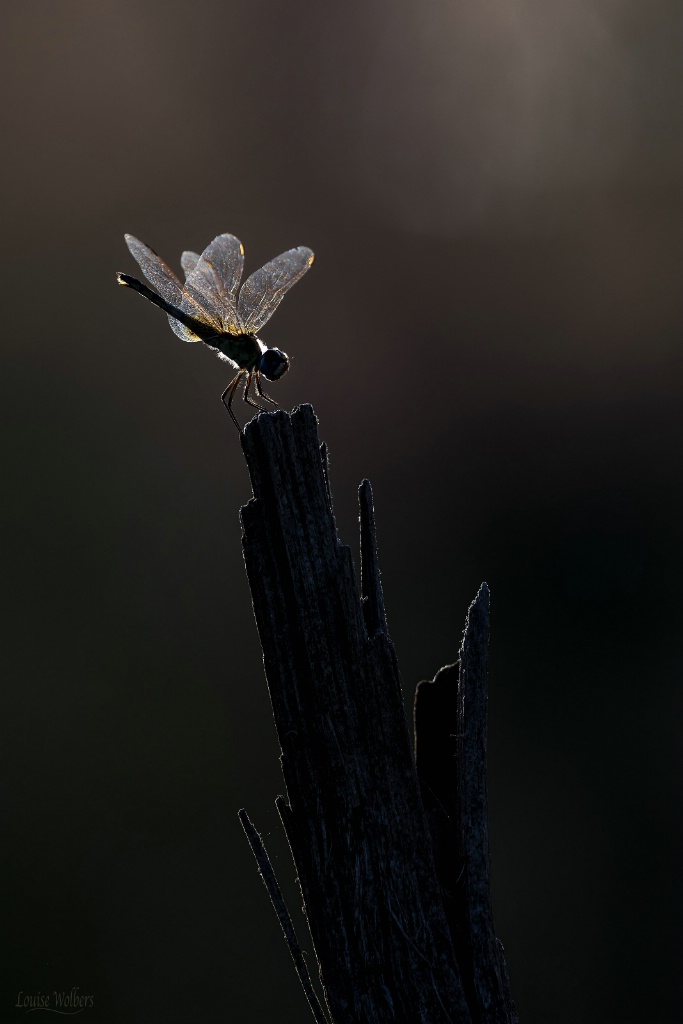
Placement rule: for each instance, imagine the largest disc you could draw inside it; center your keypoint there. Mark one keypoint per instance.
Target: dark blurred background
(491, 333)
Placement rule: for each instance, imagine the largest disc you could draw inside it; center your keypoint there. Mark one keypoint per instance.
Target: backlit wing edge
(263, 292)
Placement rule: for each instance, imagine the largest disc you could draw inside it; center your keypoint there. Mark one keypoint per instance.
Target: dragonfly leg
(247, 386)
(259, 390)
(230, 392)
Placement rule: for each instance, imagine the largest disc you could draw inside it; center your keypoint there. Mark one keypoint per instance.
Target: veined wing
(162, 278)
(188, 261)
(262, 293)
(213, 279)
(159, 275)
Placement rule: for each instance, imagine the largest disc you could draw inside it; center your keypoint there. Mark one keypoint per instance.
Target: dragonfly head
(273, 363)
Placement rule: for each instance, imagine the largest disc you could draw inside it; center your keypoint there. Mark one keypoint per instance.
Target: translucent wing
(159, 275)
(262, 293)
(164, 281)
(188, 261)
(213, 280)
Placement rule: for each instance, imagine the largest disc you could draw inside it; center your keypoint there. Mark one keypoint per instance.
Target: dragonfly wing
(165, 282)
(262, 293)
(159, 275)
(188, 261)
(181, 330)
(214, 279)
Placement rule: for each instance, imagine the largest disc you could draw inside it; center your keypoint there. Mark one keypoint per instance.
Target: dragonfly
(211, 307)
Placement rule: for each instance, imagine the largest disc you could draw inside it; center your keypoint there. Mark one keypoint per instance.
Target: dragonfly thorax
(244, 350)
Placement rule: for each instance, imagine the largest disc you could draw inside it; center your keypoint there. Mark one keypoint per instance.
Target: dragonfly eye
(273, 363)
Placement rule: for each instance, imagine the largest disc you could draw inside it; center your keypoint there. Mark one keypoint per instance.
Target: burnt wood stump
(392, 858)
